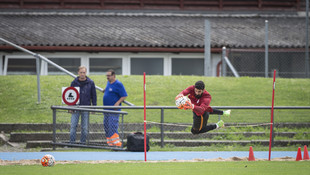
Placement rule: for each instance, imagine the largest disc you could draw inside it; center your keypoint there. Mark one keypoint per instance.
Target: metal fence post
(54, 129)
(207, 54)
(266, 49)
(38, 77)
(122, 125)
(1, 64)
(162, 128)
(88, 128)
(223, 62)
(307, 40)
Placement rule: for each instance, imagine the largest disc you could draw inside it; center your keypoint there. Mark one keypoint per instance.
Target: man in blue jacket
(87, 96)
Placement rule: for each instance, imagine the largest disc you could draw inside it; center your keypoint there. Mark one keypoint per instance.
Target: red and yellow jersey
(202, 104)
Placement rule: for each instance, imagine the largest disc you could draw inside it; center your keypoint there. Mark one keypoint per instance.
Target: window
(70, 64)
(187, 66)
(102, 65)
(151, 66)
(21, 66)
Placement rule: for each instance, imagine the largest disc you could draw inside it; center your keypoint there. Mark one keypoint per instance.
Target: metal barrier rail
(162, 108)
(88, 109)
(174, 107)
(76, 108)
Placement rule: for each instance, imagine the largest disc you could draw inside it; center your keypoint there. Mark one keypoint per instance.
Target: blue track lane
(85, 156)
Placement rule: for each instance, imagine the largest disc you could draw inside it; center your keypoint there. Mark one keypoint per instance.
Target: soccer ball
(48, 160)
(181, 101)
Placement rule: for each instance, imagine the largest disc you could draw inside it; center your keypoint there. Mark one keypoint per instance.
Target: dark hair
(112, 71)
(200, 85)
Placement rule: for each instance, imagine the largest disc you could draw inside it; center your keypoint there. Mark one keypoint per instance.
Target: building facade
(167, 38)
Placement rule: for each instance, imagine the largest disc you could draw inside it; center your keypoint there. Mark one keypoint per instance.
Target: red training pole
(271, 123)
(144, 101)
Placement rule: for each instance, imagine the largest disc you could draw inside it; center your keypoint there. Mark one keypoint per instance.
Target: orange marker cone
(251, 155)
(298, 157)
(306, 154)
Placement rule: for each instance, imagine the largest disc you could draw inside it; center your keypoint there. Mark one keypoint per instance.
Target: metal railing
(40, 57)
(56, 142)
(162, 108)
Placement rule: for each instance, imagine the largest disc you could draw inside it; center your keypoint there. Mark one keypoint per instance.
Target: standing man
(87, 96)
(200, 105)
(114, 95)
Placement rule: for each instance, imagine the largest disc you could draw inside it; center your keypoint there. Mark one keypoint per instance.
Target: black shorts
(200, 124)
(200, 121)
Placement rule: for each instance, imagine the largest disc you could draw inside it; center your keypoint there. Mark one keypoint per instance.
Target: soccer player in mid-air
(199, 103)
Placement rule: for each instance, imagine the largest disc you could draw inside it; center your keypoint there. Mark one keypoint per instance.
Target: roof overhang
(108, 49)
(143, 49)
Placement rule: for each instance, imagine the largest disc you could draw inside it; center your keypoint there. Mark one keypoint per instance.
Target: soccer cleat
(226, 113)
(220, 124)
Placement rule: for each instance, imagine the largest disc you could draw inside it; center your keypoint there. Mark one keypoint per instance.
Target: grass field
(18, 96)
(166, 168)
(18, 103)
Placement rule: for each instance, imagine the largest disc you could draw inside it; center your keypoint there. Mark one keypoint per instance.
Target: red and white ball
(48, 160)
(181, 101)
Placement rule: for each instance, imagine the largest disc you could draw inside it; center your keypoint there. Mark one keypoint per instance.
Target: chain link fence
(169, 127)
(289, 64)
(93, 128)
(245, 126)
(286, 48)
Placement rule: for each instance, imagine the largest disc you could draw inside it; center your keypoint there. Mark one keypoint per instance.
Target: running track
(86, 156)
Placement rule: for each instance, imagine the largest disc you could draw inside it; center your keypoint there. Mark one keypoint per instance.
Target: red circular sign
(77, 96)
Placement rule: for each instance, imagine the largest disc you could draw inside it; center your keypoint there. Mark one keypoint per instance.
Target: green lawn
(18, 96)
(164, 168)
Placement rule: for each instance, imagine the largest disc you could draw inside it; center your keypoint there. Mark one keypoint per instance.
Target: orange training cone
(306, 154)
(298, 157)
(251, 155)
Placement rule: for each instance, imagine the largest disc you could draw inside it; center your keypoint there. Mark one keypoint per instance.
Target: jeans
(110, 124)
(84, 125)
